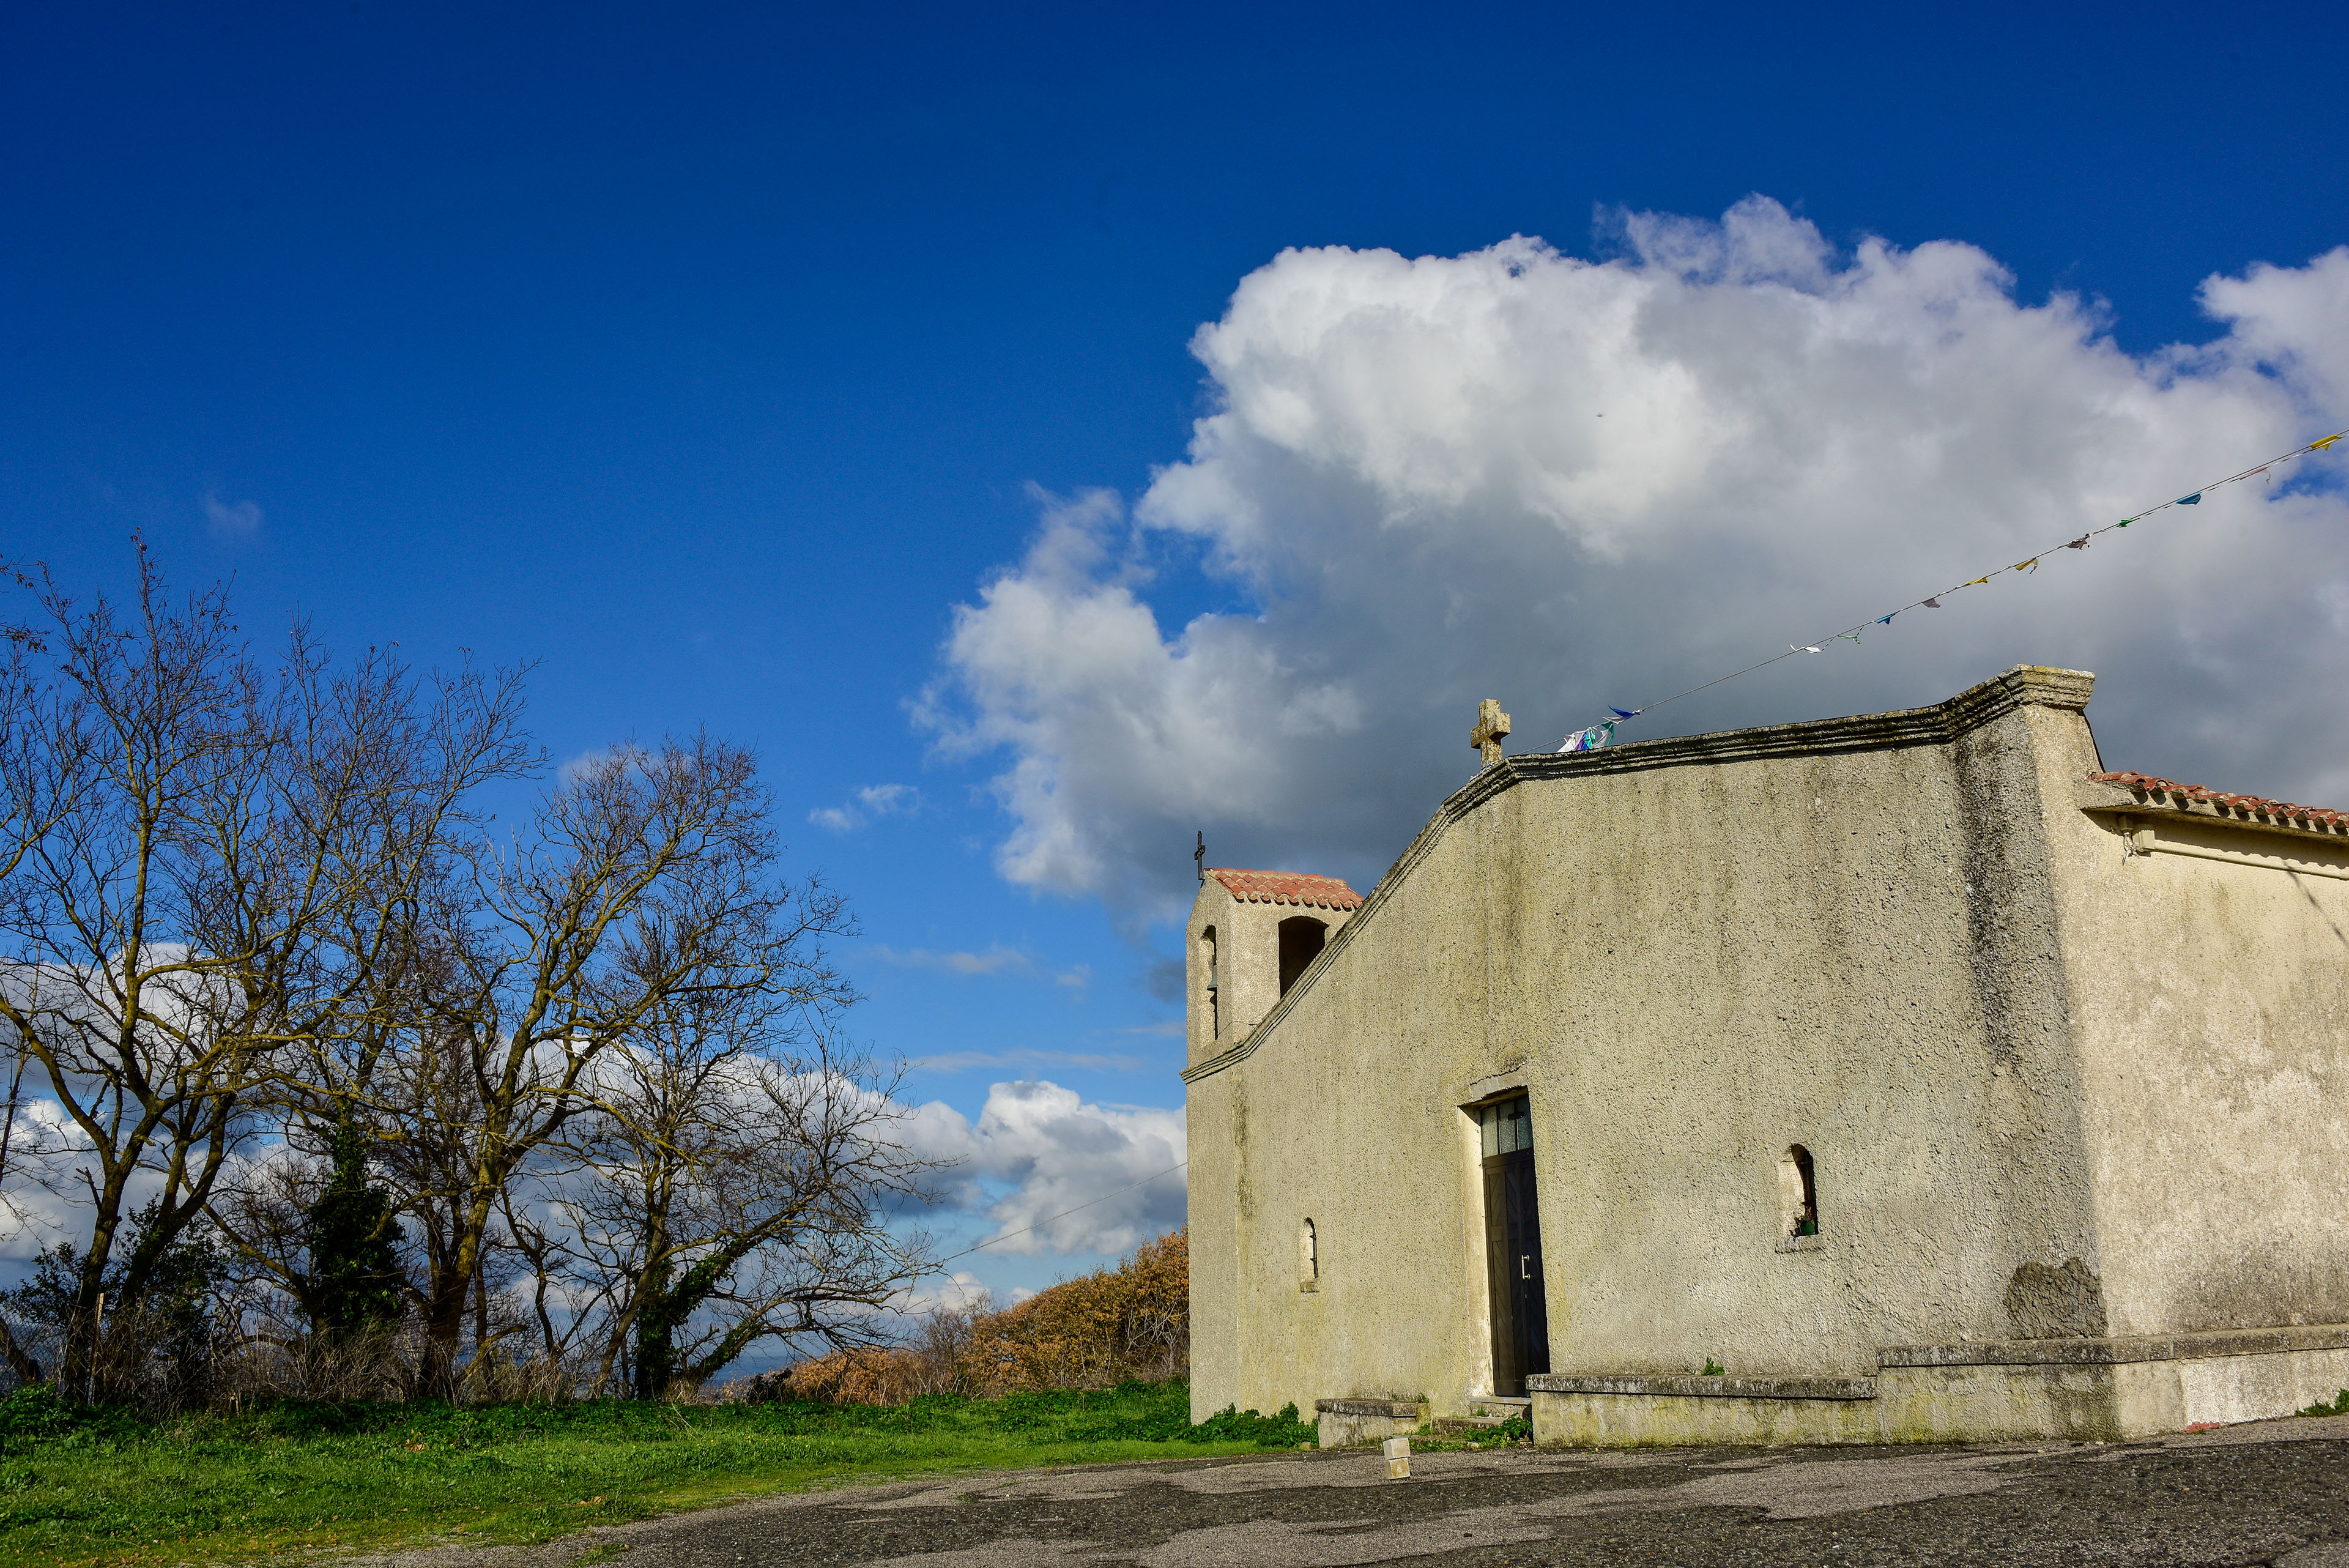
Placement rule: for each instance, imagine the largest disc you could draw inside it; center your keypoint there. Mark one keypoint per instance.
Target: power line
(1590, 737)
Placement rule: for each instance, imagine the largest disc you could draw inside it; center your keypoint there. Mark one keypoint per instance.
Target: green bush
(1229, 1426)
(34, 1411)
(35, 1414)
(1130, 1412)
(2340, 1407)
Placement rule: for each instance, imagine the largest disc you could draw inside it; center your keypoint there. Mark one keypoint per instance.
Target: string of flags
(1603, 732)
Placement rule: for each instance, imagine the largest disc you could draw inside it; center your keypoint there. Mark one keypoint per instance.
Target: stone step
(1466, 1425)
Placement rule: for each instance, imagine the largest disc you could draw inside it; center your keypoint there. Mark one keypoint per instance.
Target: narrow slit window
(1213, 1001)
(1799, 1192)
(1309, 1259)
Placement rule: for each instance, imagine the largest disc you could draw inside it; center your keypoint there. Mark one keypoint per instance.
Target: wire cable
(2030, 563)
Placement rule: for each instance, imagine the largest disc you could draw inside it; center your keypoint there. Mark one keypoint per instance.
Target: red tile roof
(1286, 887)
(2249, 805)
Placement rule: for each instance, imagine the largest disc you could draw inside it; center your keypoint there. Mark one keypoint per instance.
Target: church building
(1895, 1077)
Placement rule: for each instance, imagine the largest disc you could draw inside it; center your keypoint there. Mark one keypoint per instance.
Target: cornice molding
(2152, 822)
(2100, 798)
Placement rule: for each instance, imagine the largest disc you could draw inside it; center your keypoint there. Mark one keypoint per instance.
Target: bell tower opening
(1301, 939)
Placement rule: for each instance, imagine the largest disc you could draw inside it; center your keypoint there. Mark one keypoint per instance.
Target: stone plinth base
(1361, 1423)
(2095, 1390)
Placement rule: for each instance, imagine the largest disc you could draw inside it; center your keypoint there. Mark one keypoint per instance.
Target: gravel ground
(2269, 1492)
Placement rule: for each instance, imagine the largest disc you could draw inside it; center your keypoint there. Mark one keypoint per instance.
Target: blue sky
(712, 356)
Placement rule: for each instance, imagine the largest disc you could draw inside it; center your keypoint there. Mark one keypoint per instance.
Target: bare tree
(429, 747)
(735, 1181)
(644, 875)
(155, 910)
(31, 810)
(194, 836)
(254, 909)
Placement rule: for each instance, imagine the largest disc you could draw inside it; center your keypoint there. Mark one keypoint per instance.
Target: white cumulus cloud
(1569, 483)
(1057, 1152)
(998, 960)
(1029, 1057)
(231, 519)
(865, 803)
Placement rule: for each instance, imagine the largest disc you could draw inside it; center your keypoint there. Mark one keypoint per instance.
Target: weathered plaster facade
(2070, 1057)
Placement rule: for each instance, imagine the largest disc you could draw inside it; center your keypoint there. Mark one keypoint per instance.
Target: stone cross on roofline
(1491, 725)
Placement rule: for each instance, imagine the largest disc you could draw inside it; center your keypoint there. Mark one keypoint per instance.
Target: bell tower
(1252, 935)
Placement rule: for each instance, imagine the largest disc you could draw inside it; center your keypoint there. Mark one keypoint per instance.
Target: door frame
(1487, 1246)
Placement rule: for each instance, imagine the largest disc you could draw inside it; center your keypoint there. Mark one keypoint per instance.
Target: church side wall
(1329, 1131)
(1689, 969)
(1742, 958)
(2212, 1008)
(1225, 1217)
(1214, 1146)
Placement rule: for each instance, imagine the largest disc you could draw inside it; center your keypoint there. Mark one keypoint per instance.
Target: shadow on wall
(2056, 1303)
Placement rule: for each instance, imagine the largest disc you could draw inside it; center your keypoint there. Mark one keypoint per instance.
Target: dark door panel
(1519, 1301)
(1529, 1304)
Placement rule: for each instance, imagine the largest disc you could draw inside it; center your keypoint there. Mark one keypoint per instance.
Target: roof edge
(2022, 686)
(1307, 890)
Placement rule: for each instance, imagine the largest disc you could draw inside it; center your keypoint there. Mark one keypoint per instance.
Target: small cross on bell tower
(1492, 726)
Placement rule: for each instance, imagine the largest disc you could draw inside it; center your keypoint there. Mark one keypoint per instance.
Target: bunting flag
(1598, 735)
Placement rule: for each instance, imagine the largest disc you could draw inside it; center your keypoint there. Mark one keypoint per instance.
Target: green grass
(298, 1479)
(2337, 1407)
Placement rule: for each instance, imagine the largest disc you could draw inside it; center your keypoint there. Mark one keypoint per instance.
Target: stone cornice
(2121, 1350)
(1692, 1387)
(2100, 797)
(2024, 686)
(2151, 824)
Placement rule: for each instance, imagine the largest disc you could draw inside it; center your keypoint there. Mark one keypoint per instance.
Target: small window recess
(1799, 1201)
(1302, 939)
(1309, 1259)
(1214, 1001)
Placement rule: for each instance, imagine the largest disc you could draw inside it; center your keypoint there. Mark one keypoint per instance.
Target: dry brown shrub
(1132, 1320)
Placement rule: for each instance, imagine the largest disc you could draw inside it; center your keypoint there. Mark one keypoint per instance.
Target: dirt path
(2273, 1492)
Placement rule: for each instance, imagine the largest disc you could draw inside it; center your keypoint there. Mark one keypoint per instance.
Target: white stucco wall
(2212, 1020)
(1850, 935)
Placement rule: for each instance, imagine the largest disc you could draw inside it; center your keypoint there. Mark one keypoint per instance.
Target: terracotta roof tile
(1286, 887)
(2251, 805)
